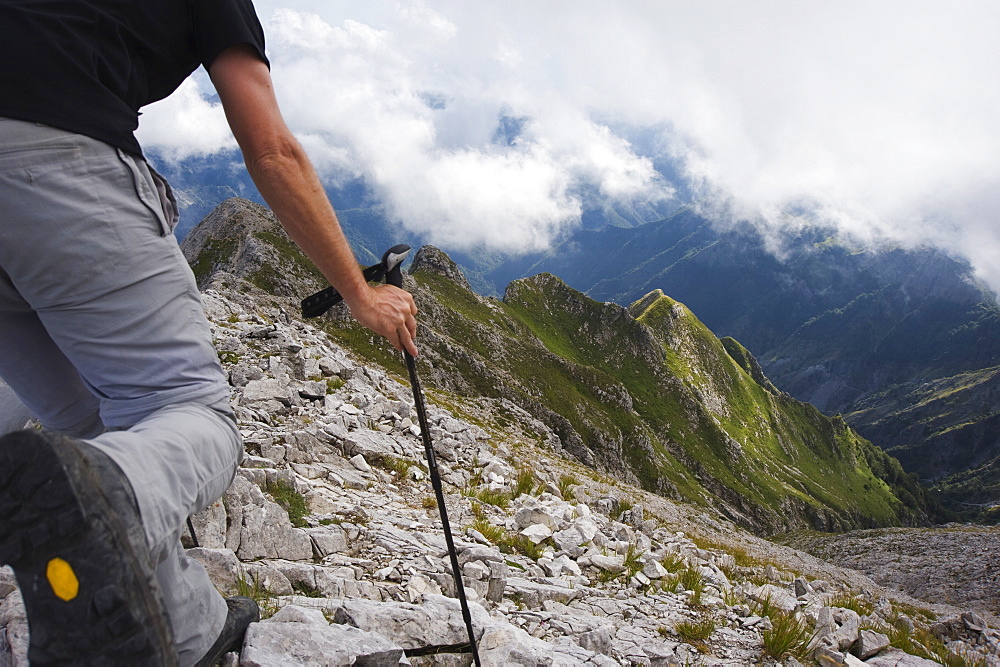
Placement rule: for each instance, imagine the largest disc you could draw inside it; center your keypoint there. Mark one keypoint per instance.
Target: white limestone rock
(311, 645)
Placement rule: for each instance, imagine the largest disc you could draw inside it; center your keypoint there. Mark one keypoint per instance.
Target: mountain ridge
(651, 397)
(840, 325)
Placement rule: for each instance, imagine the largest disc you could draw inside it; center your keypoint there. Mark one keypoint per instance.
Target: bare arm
(289, 184)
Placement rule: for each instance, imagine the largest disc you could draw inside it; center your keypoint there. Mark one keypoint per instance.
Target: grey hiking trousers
(103, 337)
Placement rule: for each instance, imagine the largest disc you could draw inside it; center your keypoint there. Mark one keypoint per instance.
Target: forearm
(289, 184)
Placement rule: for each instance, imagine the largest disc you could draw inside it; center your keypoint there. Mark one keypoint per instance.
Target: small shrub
(429, 502)
(333, 384)
(228, 358)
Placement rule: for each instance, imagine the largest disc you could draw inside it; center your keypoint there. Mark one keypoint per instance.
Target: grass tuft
(789, 636)
(493, 497)
(290, 500)
(493, 533)
(525, 483)
(853, 602)
(697, 632)
(252, 588)
(633, 559)
(565, 486)
(691, 579)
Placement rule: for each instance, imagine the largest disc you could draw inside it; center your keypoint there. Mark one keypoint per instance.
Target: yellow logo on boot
(62, 579)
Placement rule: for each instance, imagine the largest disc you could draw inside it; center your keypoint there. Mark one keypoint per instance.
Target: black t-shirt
(88, 66)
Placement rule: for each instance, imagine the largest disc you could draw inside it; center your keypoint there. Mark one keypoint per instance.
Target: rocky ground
(957, 564)
(332, 525)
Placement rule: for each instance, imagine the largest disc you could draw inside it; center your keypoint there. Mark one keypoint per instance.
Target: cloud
(492, 123)
(186, 124)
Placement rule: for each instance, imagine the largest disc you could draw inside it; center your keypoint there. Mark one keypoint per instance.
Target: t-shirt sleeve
(224, 23)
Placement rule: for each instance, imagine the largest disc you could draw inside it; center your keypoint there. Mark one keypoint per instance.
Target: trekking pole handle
(392, 260)
(322, 301)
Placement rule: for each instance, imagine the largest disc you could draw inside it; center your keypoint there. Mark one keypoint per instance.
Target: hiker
(102, 332)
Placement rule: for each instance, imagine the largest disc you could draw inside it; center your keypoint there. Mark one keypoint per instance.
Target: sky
(496, 124)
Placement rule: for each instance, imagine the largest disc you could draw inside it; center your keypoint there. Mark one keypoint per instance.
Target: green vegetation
(789, 636)
(252, 588)
(633, 559)
(508, 541)
(290, 500)
(672, 563)
(853, 602)
(917, 638)
(395, 464)
(291, 264)
(305, 590)
(525, 483)
(491, 532)
(497, 498)
(213, 253)
(697, 632)
(565, 486)
(689, 415)
(692, 581)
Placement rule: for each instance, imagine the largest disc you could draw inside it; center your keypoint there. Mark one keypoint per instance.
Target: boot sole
(89, 591)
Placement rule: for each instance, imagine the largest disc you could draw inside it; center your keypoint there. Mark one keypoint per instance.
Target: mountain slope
(647, 394)
(851, 330)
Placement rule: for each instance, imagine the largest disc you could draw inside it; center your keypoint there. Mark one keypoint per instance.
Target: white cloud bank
(880, 117)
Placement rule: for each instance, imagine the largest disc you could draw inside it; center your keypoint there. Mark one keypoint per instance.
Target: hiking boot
(242, 612)
(70, 528)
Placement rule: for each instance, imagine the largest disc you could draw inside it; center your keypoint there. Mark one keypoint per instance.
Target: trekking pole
(394, 276)
(317, 304)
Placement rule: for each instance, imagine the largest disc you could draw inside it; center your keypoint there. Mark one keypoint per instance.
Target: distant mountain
(646, 393)
(871, 334)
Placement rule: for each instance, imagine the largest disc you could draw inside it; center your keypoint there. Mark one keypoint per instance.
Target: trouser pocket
(153, 191)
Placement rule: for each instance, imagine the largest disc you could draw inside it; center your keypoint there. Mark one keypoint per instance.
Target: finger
(407, 335)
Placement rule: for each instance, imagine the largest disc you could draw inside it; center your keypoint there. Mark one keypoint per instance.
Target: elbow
(279, 158)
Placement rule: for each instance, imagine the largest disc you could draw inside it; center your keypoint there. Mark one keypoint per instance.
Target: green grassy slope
(650, 395)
